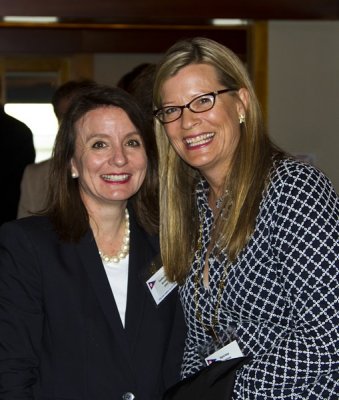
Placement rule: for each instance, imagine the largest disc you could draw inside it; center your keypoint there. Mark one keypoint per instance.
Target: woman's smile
(204, 139)
(116, 178)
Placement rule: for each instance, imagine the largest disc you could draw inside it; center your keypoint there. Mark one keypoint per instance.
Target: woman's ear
(74, 171)
(244, 100)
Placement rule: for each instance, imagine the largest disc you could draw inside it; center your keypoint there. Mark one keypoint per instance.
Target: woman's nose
(189, 118)
(118, 157)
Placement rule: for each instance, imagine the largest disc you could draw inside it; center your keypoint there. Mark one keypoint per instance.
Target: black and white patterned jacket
(280, 300)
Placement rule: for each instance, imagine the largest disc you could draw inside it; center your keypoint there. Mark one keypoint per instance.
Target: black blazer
(14, 134)
(61, 336)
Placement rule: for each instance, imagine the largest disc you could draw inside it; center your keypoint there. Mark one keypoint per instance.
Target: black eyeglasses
(198, 105)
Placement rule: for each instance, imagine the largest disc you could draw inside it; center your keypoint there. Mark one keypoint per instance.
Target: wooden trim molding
(110, 38)
(258, 62)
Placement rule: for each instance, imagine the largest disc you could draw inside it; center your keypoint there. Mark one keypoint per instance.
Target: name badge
(228, 352)
(159, 286)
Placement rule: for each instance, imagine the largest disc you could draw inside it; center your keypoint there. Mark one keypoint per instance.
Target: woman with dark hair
(77, 320)
(250, 233)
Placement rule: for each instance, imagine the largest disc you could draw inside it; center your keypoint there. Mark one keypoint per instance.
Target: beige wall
(303, 104)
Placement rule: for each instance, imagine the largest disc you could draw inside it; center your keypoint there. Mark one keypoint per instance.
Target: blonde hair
(245, 183)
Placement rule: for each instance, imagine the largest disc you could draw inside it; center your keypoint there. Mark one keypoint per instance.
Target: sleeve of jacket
(21, 313)
(305, 242)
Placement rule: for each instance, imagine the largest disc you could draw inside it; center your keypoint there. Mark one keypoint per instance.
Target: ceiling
(90, 26)
(174, 11)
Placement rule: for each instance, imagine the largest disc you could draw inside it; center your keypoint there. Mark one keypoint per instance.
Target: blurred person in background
(139, 82)
(35, 176)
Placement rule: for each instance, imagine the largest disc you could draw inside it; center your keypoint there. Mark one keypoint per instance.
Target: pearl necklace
(124, 249)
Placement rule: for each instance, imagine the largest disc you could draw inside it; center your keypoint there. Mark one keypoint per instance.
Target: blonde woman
(249, 233)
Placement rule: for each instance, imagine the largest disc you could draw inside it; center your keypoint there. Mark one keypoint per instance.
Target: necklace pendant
(210, 332)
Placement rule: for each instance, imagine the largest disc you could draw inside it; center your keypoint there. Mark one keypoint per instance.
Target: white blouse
(117, 274)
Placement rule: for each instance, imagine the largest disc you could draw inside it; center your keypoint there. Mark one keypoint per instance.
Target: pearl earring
(74, 175)
(241, 118)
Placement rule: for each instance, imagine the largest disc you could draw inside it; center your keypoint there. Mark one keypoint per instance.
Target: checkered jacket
(280, 300)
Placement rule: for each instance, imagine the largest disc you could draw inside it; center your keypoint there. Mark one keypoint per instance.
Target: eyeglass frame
(214, 94)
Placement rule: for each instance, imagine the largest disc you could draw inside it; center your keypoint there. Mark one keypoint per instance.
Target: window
(40, 118)
(28, 98)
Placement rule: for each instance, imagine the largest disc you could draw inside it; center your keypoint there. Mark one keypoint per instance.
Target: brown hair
(245, 183)
(65, 94)
(65, 206)
(139, 82)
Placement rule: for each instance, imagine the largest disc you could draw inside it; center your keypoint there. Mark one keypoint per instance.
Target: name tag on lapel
(228, 352)
(159, 286)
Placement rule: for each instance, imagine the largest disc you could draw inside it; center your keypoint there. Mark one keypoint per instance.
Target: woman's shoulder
(291, 173)
(139, 230)
(29, 226)
(297, 184)
(30, 221)
(152, 240)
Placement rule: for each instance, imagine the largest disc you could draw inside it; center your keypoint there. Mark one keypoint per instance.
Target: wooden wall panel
(129, 40)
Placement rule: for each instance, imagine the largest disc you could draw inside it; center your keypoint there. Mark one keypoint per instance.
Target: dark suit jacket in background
(16, 151)
(60, 329)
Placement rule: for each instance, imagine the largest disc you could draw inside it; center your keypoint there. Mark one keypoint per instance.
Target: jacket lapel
(141, 255)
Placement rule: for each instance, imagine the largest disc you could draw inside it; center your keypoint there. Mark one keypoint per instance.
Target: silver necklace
(221, 199)
(124, 249)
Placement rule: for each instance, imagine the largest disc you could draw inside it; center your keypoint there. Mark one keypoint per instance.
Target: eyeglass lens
(197, 105)
(200, 104)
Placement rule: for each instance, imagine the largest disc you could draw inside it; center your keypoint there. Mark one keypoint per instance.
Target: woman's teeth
(115, 178)
(198, 140)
